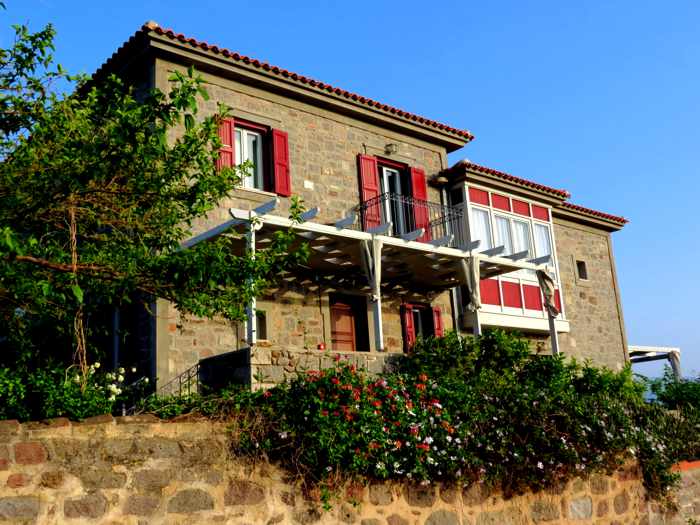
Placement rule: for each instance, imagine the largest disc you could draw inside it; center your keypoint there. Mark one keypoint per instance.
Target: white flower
(120, 370)
(283, 435)
(428, 440)
(328, 469)
(145, 380)
(120, 378)
(540, 465)
(97, 364)
(76, 379)
(112, 397)
(133, 369)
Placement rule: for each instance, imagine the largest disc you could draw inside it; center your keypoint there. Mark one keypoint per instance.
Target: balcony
(407, 215)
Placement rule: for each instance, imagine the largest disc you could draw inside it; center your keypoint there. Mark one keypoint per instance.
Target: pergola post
(553, 334)
(376, 274)
(251, 324)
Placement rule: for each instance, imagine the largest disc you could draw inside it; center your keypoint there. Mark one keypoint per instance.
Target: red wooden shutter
(227, 153)
(280, 163)
(369, 189)
(420, 209)
(438, 329)
(409, 331)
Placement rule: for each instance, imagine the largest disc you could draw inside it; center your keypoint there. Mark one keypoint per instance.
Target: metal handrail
(407, 214)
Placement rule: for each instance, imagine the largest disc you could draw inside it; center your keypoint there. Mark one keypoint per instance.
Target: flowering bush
(463, 410)
(53, 391)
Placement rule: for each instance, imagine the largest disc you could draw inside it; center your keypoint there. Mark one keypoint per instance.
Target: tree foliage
(98, 190)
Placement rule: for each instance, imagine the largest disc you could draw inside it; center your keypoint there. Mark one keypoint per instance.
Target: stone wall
(592, 305)
(138, 471)
(323, 149)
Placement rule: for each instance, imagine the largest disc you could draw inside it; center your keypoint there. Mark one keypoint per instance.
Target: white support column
(376, 271)
(553, 335)
(476, 323)
(251, 323)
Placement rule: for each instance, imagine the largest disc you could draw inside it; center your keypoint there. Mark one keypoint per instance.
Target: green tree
(99, 187)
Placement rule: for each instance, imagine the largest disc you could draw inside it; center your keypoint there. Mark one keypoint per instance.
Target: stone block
(442, 517)
(602, 508)
(581, 508)
(52, 479)
(93, 506)
(118, 450)
(101, 476)
(307, 516)
(140, 505)
(30, 453)
(395, 519)
(599, 484)
(288, 498)
(243, 492)
(152, 481)
(19, 508)
(448, 493)
(510, 516)
(542, 511)
(346, 514)
(104, 419)
(370, 521)
(158, 448)
(190, 500)
(380, 494)
(475, 494)
(420, 495)
(621, 502)
(17, 480)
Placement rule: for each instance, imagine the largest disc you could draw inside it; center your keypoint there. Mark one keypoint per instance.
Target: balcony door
(395, 204)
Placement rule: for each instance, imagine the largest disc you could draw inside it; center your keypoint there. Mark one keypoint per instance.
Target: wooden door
(342, 327)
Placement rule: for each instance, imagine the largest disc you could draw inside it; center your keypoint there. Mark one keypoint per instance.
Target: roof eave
(147, 39)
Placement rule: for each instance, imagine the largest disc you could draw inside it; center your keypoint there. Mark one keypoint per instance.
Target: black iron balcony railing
(407, 214)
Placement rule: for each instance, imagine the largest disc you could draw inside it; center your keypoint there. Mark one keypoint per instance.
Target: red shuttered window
(280, 157)
(409, 331)
(438, 328)
(489, 291)
(369, 189)
(419, 189)
(227, 154)
(511, 294)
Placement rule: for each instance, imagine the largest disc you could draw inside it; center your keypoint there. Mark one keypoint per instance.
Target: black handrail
(407, 214)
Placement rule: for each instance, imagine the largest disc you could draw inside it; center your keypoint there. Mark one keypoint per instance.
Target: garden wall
(138, 470)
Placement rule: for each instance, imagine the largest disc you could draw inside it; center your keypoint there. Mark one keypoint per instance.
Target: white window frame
(255, 180)
(521, 276)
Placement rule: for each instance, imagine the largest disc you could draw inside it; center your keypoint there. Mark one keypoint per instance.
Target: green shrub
(54, 391)
(676, 393)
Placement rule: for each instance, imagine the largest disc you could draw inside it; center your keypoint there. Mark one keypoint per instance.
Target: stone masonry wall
(139, 471)
(592, 306)
(323, 149)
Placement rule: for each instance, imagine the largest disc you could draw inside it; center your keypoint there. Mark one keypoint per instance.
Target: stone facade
(593, 305)
(139, 470)
(323, 149)
(327, 130)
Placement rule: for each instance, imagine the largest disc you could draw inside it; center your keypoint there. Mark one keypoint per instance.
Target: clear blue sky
(599, 98)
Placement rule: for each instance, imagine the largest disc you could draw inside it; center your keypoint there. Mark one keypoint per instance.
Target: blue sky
(599, 98)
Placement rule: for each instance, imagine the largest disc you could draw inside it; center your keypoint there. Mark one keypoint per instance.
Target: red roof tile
(594, 213)
(512, 178)
(309, 82)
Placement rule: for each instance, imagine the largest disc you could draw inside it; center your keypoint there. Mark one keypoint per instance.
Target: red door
(342, 327)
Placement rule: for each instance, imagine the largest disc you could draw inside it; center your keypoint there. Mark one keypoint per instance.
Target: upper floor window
(265, 149)
(249, 148)
(518, 226)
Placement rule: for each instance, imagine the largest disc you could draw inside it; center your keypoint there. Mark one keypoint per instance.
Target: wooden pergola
(375, 261)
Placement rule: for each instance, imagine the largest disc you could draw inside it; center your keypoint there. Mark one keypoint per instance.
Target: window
(481, 228)
(265, 150)
(582, 270)
(261, 324)
(249, 148)
(394, 184)
(503, 235)
(420, 320)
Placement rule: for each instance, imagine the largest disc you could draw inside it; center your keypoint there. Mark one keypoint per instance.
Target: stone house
(396, 234)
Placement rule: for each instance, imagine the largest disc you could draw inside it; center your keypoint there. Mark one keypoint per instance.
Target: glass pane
(480, 227)
(254, 151)
(521, 242)
(238, 147)
(502, 232)
(543, 245)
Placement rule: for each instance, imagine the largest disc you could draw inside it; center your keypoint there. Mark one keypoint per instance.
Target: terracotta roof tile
(594, 213)
(512, 178)
(155, 28)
